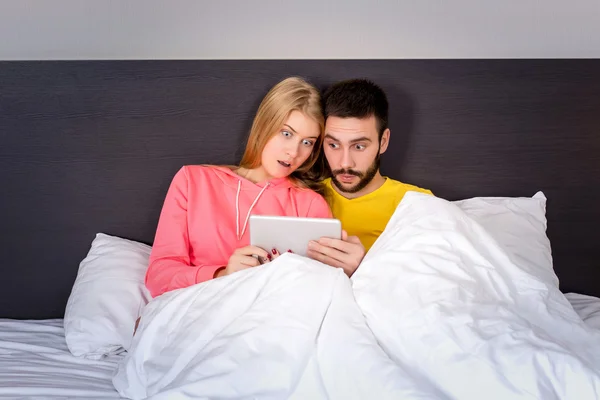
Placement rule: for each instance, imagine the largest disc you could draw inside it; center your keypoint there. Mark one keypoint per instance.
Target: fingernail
(274, 251)
(269, 256)
(289, 251)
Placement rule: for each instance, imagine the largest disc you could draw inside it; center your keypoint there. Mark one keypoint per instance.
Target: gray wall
(274, 29)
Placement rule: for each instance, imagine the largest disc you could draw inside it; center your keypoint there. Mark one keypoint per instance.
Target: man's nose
(347, 161)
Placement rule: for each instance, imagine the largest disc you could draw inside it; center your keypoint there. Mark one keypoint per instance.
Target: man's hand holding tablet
(346, 253)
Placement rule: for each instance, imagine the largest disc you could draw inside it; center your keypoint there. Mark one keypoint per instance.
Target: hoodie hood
(233, 180)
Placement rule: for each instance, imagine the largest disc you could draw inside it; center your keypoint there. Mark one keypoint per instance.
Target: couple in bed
(202, 232)
(444, 306)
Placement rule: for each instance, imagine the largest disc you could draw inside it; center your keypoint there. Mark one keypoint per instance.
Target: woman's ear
(385, 141)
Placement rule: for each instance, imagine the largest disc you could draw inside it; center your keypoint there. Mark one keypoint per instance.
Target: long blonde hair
(291, 94)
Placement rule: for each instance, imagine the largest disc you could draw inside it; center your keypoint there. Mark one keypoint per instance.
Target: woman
(202, 232)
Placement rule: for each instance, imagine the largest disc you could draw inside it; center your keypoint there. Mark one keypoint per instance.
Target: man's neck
(372, 186)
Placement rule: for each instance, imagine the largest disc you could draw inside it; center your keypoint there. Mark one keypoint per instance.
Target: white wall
(245, 29)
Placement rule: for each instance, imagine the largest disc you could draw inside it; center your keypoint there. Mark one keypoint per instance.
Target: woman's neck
(255, 175)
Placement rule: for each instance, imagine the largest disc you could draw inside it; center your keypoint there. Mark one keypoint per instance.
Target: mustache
(347, 172)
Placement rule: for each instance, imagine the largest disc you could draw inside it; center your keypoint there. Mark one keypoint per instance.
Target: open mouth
(283, 163)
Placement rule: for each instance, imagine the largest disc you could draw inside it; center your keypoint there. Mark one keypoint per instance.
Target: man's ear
(385, 141)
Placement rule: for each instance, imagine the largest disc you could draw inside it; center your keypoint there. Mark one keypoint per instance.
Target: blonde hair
(291, 94)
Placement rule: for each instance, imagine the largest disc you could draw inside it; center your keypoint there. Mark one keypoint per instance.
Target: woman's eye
(308, 142)
(286, 133)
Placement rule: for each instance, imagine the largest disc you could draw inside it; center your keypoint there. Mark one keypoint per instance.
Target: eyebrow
(293, 130)
(360, 139)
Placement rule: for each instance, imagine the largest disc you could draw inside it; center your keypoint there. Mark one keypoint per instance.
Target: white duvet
(437, 310)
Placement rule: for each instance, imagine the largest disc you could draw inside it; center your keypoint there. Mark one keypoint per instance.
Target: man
(356, 134)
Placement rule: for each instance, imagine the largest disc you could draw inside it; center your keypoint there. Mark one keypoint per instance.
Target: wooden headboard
(91, 146)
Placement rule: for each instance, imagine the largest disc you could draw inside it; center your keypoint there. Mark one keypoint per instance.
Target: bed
(91, 146)
(36, 362)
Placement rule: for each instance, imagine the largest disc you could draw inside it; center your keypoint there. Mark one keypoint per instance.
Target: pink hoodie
(205, 219)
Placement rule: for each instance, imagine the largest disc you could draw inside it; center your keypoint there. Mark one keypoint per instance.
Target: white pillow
(107, 297)
(518, 225)
(587, 307)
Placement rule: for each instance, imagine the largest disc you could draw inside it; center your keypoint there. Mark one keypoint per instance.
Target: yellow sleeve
(418, 189)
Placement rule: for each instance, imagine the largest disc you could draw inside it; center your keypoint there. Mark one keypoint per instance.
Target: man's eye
(333, 145)
(360, 147)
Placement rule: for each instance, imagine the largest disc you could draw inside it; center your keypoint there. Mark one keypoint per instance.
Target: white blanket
(445, 300)
(440, 313)
(288, 329)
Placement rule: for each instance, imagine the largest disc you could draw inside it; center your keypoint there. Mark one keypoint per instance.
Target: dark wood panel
(91, 146)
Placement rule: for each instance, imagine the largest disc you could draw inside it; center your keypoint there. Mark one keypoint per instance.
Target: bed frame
(91, 146)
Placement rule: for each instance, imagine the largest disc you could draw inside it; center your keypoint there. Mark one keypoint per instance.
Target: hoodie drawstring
(237, 209)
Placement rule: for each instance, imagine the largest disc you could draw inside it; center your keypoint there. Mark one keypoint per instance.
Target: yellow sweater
(368, 215)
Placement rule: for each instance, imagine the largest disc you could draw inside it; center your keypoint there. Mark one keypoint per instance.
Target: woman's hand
(246, 257)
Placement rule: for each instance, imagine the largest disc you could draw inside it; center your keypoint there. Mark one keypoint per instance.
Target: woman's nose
(292, 151)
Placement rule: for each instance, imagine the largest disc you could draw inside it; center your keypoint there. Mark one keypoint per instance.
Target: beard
(365, 177)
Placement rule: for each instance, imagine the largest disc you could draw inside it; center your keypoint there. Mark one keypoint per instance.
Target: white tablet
(291, 233)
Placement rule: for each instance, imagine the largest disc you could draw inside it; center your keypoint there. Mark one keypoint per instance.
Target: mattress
(36, 364)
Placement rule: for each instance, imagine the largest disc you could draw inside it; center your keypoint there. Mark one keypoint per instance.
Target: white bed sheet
(35, 363)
